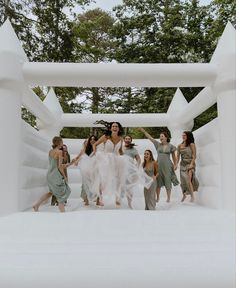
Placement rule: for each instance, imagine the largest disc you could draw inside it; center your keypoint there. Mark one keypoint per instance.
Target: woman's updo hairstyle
(56, 141)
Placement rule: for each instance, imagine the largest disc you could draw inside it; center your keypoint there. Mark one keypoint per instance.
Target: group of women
(111, 165)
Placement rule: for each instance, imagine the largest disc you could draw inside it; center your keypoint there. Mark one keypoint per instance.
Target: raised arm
(102, 139)
(147, 135)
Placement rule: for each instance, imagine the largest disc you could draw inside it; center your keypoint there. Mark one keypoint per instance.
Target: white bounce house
(24, 149)
(179, 245)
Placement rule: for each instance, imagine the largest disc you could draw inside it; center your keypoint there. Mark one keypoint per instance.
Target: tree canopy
(145, 31)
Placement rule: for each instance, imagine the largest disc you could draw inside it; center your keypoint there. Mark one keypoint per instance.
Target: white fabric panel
(32, 177)
(207, 134)
(208, 154)
(32, 157)
(209, 176)
(210, 196)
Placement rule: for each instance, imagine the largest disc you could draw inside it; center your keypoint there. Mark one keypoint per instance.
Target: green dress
(54, 199)
(186, 158)
(131, 152)
(56, 183)
(150, 194)
(167, 174)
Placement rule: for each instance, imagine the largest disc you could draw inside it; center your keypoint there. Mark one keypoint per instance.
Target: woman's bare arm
(156, 173)
(138, 159)
(61, 165)
(102, 139)
(178, 155)
(174, 160)
(147, 134)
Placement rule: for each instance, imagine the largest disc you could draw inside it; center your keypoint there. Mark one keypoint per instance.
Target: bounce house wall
(33, 166)
(208, 164)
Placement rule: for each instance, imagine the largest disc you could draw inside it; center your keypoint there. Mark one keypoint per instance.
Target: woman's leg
(190, 175)
(99, 201)
(158, 190)
(168, 192)
(129, 199)
(54, 201)
(61, 207)
(184, 197)
(41, 200)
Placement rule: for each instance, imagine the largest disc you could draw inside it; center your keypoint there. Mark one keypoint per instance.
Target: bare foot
(36, 208)
(168, 200)
(117, 204)
(86, 202)
(157, 200)
(184, 197)
(99, 203)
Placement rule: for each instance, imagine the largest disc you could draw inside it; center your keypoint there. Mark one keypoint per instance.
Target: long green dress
(65, 161)
(167, 174)
(186, 158)
(56, 183)
(150, 194)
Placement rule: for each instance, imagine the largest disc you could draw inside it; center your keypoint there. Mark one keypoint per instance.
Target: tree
(164, 32)
(93, 42)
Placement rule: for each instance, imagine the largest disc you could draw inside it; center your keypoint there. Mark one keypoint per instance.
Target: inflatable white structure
(24, 150)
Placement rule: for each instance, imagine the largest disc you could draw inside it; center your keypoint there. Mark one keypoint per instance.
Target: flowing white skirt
(111, 174)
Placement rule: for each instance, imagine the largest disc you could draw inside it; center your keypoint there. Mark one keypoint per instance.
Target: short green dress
(56, 183)
(167, 174)
(186, 159)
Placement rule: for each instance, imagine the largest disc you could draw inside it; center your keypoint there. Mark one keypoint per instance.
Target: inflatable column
(225, 90)
(12, 58)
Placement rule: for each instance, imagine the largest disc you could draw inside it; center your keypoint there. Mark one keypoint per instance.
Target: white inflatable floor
(178, 245)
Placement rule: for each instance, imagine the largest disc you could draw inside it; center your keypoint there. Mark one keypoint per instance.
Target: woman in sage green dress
(187, 152)
(151, 169)
(167, 168)
(66, 160)
(56, 178)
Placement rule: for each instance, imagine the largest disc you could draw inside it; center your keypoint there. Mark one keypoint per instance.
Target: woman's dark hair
(166, 135)
(56, 141)
(131, 145)
(190, 138)
(108, 125)
(66, 155)
(151, 156)
(89, 147)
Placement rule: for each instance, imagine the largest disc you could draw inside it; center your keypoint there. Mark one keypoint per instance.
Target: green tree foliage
(145, 31)
(169, 31)
(45, 30)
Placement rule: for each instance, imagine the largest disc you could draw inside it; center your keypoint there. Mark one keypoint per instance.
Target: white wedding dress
(109, 173)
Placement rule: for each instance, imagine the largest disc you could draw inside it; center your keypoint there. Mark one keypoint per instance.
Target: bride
(114, 173)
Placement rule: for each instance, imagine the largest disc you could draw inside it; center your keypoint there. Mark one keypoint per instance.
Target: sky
(109, 4)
